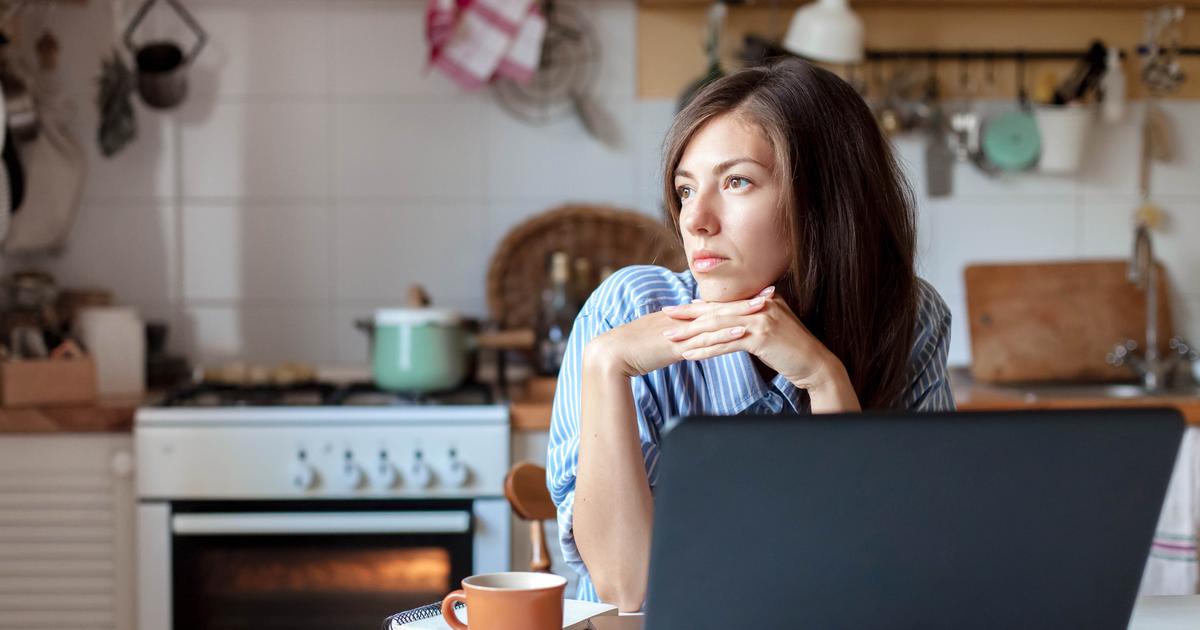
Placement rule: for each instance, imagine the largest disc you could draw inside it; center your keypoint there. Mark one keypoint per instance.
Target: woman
(800, 297)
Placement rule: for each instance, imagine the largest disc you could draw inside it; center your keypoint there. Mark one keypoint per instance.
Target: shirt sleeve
(930, 388)
(563, 452)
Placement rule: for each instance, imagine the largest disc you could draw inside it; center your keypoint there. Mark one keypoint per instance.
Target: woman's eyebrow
(724, 166)
(728, 164)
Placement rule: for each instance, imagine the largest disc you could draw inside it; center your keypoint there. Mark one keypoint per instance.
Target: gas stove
(319, 393)
(321, 440)
(325, 479)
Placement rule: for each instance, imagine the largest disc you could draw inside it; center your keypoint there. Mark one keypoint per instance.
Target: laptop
(1029, 519)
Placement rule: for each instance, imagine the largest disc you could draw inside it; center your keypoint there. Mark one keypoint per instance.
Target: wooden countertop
(530, 402)
(530, 409)
(972, 396)
(104, 416)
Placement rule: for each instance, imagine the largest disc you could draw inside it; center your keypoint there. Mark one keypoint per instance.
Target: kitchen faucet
(1153, 370)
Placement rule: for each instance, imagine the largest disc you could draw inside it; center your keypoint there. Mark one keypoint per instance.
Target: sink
(1100, 390)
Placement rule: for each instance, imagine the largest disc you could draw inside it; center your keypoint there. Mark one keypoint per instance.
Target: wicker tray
(606, 236)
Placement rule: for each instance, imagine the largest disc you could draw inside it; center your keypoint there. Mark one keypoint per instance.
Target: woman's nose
(700, 217)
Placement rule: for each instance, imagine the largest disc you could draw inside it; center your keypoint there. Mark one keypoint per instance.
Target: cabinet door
(66, 532)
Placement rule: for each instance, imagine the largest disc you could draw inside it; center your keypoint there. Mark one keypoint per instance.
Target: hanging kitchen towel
(521, 61)
(469, 39)
(54, 169)
(1172, 566)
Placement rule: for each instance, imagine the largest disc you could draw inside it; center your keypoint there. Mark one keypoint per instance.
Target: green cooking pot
(419, 349)
(427, 350)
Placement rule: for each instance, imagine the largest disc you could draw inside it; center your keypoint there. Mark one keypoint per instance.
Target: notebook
(576, 614)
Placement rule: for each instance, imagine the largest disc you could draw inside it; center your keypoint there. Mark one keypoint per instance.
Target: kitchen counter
(972, 396)
(104, 416)
(530, 409)
(530, 402)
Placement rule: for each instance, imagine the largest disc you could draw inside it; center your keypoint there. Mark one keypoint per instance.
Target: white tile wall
(269, 333)
(317, 170)
(379, 49)
(144, 170)
(128, 247)
(395, 150)
(252, 253)
(257, 150)
(280, 47)
(381, 250)
(560, 159)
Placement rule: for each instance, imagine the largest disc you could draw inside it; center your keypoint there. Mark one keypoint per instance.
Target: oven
(303, 519)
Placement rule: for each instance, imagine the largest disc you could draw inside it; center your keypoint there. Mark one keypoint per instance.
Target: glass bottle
(557, 315)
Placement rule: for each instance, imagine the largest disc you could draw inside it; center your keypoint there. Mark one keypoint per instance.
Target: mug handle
(448, 615)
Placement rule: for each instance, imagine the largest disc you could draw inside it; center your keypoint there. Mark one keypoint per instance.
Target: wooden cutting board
(1056, 321)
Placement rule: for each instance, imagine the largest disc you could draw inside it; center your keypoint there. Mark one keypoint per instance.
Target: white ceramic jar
(115, 338)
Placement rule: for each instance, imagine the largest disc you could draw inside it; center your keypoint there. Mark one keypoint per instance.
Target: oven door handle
(302, 523)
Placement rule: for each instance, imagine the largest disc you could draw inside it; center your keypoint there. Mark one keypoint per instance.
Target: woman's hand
(766, 328)
(636, 348)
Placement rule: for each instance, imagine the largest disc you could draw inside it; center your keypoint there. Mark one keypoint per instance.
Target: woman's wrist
(600, 358)
(831, 390)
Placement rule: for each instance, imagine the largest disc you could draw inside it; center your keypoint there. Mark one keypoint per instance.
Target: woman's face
(729, 216)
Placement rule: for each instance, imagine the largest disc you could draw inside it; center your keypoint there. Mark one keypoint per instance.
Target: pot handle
(516, 339)
(197, 30)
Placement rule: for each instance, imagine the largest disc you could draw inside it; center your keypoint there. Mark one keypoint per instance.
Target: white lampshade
(826, 30)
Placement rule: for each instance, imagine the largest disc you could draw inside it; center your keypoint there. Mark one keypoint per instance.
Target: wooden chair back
(525, 488)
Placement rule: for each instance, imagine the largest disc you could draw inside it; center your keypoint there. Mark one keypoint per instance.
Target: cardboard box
(47, 382)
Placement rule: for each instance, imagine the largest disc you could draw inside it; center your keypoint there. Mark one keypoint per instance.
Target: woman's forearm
(613, 506)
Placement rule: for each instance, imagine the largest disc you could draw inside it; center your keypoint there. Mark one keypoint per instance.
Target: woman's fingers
(713, 343)
(696, 327)
(698, 309)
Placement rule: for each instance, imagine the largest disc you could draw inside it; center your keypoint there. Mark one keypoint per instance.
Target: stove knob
(350, 476)
(304, 476)
(457, 473)
(384, 475)
(419, 474)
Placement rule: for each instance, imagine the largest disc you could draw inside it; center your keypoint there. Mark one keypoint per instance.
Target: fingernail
(737, 331)
(670, 307)
(767, 291)
(757, 301)
(668, 333)
(697, 301)
(689, 354)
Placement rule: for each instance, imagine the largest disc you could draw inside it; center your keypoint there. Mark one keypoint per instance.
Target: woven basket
(606, 236)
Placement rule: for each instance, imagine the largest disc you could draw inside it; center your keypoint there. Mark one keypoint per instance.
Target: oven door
(314, 565)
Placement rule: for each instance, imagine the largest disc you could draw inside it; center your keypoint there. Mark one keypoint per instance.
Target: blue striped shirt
(723, 385)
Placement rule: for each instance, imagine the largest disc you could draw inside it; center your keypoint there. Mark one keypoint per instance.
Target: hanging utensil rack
(960, 54)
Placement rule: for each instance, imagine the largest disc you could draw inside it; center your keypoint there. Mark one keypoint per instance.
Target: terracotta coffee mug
(508, 601)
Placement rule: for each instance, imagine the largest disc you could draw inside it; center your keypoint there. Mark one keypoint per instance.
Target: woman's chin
(717, 291)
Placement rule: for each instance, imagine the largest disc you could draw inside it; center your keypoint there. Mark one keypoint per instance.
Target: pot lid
(417, 316)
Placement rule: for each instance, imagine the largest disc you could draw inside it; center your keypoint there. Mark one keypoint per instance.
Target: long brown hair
(849, 214)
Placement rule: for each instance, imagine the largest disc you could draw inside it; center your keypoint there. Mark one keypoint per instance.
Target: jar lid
(417, 316)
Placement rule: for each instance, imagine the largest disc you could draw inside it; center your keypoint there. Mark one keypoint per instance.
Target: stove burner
(320, 394)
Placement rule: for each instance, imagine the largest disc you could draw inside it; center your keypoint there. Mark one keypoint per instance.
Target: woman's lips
(707, 263)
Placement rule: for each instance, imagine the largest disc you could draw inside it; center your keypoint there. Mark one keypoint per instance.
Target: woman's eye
(733, 182)
(684, 192)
